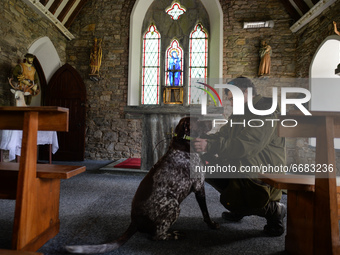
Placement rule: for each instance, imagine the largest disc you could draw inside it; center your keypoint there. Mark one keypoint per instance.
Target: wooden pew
(312, 206)
(36, 188)
(12, 252)
(300, 209)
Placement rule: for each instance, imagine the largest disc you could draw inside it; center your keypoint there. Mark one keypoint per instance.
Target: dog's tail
(100, 248)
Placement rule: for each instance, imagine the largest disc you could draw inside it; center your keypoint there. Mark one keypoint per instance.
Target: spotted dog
(156, 204)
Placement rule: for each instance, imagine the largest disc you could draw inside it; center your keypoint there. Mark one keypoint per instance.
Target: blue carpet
(95, 208)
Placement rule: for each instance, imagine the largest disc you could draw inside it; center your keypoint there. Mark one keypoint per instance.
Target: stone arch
(323, 83)
(322, 74)
(136, 20)
(49, 60)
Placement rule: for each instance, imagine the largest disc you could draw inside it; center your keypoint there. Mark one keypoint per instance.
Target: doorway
(67, 89)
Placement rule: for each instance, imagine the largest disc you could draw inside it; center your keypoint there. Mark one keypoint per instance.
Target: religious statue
(174, 69)
(26, 78)
(96, 57)
(337, 70)
(335, 28)
(265, 54)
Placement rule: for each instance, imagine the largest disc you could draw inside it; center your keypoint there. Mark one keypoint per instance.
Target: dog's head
(190, 128)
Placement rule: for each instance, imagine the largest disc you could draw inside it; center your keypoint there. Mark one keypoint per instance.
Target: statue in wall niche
(335, 28)
(337, 70)
(96, 58)
(25, 79)
(175, 69)
(265, 55)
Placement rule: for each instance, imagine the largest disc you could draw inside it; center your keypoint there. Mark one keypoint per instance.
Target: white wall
(324, 84)
(48, 57)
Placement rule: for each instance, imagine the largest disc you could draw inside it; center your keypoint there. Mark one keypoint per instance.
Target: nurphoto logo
(239, 103)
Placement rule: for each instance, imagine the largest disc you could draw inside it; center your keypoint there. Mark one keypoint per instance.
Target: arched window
(174, 21)
(151, 66)
(174, 65)
(183, 31)
(198, 67)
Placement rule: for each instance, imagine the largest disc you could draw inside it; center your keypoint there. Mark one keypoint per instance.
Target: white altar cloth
(11, 140)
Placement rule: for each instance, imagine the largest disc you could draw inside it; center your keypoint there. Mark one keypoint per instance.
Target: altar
(158, 125)
(11, 140)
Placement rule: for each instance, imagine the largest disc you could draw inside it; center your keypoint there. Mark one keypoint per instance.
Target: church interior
(128, 71)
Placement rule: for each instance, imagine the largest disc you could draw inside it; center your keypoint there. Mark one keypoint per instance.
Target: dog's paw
(212, 224)
(176, 235)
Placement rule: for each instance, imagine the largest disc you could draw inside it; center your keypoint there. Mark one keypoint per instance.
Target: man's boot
(232, 216)
(274, 212)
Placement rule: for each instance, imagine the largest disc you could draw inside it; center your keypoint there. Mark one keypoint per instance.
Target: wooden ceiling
(67, 10)
(297, 8)
(304, 11)
(63, 12)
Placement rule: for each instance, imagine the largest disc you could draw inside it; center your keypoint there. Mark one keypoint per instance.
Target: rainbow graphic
(210, 94)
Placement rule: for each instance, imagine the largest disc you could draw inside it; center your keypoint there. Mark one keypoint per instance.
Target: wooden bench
(12, 252)
(9, 177)
(300, 209)
(313, 202)
(35, 187)
(297, 182)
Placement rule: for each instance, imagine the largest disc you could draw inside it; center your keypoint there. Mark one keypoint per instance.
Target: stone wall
(108, 135)
(241, 46)
(309, 39)
(312, 35)
(110, 20)
(20, 26)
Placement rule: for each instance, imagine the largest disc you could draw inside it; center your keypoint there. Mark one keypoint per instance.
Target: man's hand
(21, 77)
(200, 145)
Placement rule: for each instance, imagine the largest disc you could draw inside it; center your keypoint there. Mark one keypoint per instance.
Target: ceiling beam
(65, 10)
(43, 2)
(74, 14)
(40, 8)
(55, 6)
(314, 12)
(304, 8)
(291, 10)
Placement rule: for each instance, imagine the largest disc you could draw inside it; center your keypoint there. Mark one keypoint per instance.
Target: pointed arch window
(174, 65)
(176, 60)
(151, 66)
(198, 66)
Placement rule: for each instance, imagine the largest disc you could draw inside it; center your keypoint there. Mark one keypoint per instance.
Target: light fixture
(258, 24)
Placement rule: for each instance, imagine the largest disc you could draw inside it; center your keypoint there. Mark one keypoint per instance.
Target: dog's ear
(183, 127)
(186, 126)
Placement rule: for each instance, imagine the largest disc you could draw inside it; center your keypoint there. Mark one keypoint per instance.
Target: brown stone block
(81, 43)
(240, 42)
(118, 51)
(90, 27)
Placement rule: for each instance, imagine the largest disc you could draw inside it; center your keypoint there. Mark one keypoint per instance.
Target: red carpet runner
(133, 163)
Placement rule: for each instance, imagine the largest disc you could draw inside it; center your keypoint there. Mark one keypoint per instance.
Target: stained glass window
(151, 67)
(174, 65)
(175, 11)
(198, 58)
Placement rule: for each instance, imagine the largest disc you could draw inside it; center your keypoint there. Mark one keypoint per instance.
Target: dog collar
(186, 137)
